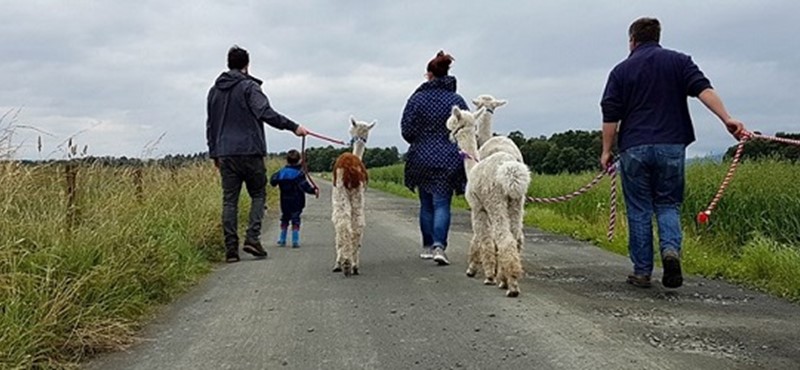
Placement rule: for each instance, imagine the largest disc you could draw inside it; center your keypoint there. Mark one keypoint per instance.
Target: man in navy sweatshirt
(236, 142)
(645, 100)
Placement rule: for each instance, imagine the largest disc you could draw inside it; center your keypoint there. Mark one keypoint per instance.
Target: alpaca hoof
(488, 281)
(347, 268)
(471, 272)
(502, 285)
(512, 293)
(337, 268)
(355, 270)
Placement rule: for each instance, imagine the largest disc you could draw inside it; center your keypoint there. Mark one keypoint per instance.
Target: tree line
(572, 151)
(761, 149)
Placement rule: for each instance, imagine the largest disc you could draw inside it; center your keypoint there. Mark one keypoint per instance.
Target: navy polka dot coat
(433, 163)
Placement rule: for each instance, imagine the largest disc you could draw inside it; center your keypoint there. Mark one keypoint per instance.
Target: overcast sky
(122, 73)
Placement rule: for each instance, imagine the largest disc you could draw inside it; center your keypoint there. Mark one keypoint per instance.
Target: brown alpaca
(349, 181)
(353, 171)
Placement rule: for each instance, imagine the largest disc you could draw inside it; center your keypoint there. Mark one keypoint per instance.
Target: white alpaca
(349, 181)
(496, 188)
(487, 143)
(484, 120)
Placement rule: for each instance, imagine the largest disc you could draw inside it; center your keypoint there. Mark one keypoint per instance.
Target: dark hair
(645, 30)
(238, 58)
(440, 64)
(293, 157)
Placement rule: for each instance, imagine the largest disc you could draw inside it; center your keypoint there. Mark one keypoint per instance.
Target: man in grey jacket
(236, 142)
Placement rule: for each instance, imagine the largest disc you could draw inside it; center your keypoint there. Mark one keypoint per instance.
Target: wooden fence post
(137, 183)
(71, 175)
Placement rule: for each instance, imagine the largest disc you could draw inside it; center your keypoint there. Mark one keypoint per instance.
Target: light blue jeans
(653, 182)
(434, 218)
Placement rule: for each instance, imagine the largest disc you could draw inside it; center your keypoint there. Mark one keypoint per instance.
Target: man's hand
(605, 160)
(301, 131)
(316, 192)
(735, 127)
(216, 162)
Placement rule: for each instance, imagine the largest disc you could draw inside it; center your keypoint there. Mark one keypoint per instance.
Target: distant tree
(760, 149)
(517, 137)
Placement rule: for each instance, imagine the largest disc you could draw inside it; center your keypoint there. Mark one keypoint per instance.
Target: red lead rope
(704, 216)
(305, 162)
(305, 168)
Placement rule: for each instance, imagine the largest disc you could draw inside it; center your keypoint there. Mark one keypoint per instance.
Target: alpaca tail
(516, 177)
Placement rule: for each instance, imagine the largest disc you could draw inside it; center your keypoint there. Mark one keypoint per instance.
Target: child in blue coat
(293, 187)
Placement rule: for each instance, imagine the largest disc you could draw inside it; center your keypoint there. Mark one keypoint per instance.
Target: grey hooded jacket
(236, 109)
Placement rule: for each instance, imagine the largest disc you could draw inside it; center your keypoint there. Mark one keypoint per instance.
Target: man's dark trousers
(234, 170)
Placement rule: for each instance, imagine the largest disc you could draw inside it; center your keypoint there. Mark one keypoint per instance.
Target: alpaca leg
(343, 237)
(347, 252)
(488, 248)
(359, 223)
(516, 212)
(338, 216)
(508, 257)
(479, 218)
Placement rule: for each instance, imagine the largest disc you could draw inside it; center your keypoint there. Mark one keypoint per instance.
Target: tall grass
(753, 237)
(67, 291)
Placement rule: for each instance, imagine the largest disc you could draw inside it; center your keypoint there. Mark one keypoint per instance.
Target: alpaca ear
(352, 120)
(456, 112)
(501, 103)
(476, 102)
(371, 125)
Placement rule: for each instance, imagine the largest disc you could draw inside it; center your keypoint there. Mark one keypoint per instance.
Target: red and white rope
(566, 197)
(612, 201)
(703, 217)
(304, 159)
(612, 217)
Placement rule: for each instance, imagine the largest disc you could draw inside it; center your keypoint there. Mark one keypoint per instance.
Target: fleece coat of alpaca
(349, 182)
(496, 189)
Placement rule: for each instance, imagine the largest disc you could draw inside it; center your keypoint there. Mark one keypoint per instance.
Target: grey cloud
(144, 68)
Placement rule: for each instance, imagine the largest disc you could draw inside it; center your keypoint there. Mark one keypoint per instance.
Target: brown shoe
(254, 248)
(641, 281)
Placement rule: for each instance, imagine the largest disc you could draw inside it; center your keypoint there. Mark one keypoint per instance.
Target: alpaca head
(461, 124)
(359, 130)
(488, 102)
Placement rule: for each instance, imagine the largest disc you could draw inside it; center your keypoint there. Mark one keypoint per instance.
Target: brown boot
(641, 281)
(254, 248)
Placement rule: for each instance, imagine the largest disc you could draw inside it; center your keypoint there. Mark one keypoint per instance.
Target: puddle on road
(654, 317)
(699, 344)
(557, 276)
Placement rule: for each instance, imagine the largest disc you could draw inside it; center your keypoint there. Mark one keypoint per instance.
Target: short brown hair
(644, 30)
(293, 157)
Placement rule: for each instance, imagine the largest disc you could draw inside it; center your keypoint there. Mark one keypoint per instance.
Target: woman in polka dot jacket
(433, 166)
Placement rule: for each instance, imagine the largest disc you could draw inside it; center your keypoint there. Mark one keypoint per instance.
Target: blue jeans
(653, 182)
(294, 217)
(434, 218)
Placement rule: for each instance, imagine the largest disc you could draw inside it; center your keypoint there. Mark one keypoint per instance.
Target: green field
(79, 280)
(75, 282)
(753, 238)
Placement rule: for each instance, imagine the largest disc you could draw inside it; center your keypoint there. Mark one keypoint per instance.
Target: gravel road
(575, 312)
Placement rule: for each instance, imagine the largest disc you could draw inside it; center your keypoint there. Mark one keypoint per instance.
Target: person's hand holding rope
(301, 131)
(735, 128)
